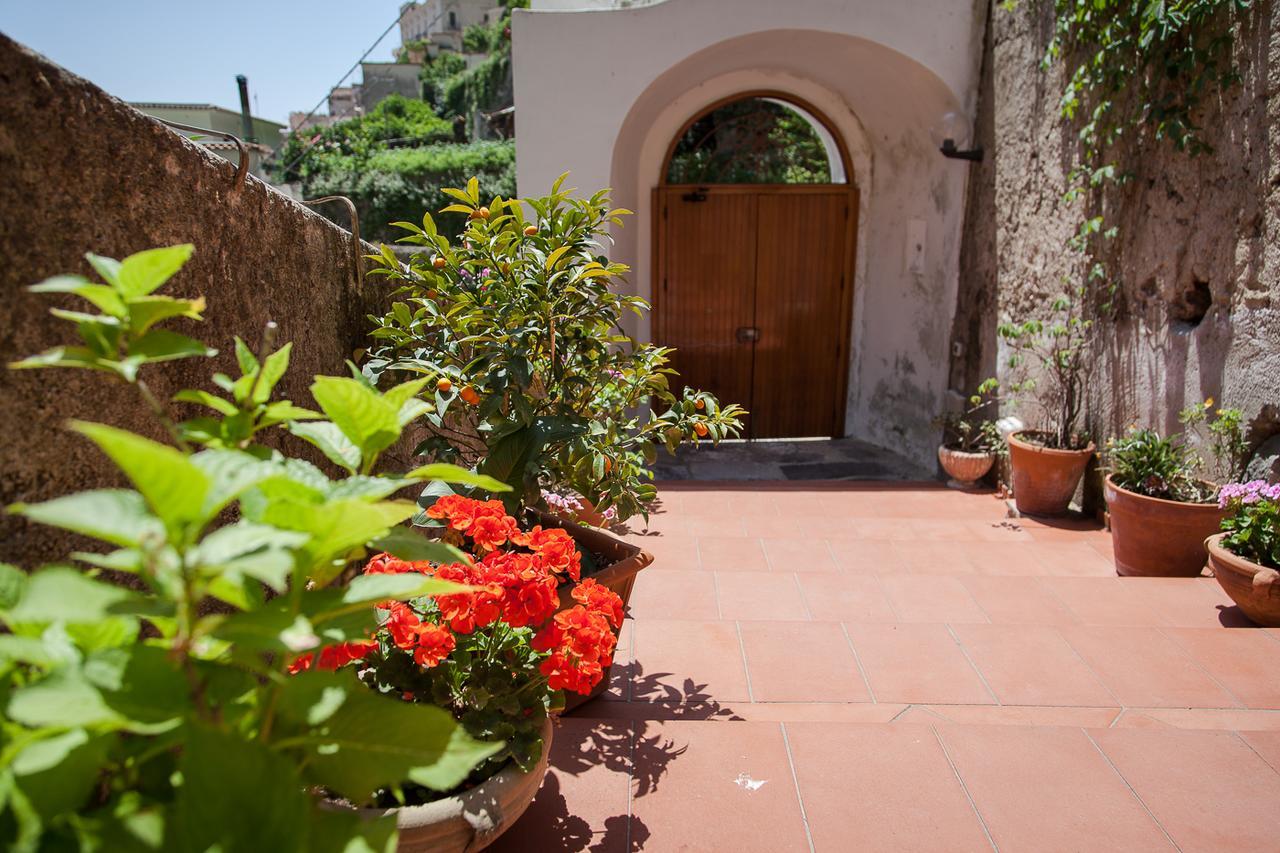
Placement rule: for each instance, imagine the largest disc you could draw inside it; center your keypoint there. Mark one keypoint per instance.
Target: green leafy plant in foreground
(519, 325)
(972, 429)
(161, 716)
(1149, 464)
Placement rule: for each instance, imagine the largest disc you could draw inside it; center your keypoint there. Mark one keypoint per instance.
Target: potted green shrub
(970, 439)
(1050, 357)
(518, 325)
(1160, 511)
(1245, 557)
(159, 715)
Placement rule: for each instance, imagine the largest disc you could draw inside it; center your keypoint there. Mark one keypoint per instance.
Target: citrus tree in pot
(159, 715)
(1048, 359)
(518, 324)
(1245, 557)
(970, 439)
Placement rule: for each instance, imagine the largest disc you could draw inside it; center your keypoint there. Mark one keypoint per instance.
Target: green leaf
(141, 273)
(61, 594)
(13, 583)
(108, 268)
(204, 398)
(149, 310)
(283, 411)
(273, 369)
(458, 475)
(359, 740)
(163, 345)
(58, 773)
(142, 684)
(365, 590)
(245, 358)
(230, 473)
(174, 487)
(104, 298)
(407, 545)
(255, 550)
(64, 699)
(334, 831)
(337, 527)
(367, 419)
(117, 516)
(237, 795)
(331, 441)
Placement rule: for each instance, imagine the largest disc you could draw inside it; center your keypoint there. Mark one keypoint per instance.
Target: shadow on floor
(800, 459)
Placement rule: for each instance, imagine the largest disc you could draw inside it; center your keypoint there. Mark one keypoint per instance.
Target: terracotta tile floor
(860, 666)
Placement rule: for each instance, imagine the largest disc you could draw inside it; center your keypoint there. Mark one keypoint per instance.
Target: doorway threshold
(789, 459)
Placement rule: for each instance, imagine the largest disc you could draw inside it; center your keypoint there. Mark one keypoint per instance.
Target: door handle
(748, 334)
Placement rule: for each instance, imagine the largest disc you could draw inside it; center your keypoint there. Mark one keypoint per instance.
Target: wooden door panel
(801, 258)
(708, 290)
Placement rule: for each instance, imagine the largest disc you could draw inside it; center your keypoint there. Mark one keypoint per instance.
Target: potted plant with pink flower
(1246, 556)
(497, 655)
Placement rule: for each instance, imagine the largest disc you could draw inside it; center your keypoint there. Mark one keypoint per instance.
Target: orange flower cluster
(580, 640)
(518, 587)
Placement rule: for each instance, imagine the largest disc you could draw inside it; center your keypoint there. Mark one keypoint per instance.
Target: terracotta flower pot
(964, 468)
(1044, 478)
(1152, 537)
(475, 818)
(1255, 588)
(626, 561)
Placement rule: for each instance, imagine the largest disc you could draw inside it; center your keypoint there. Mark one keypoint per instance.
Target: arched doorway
(755, 223)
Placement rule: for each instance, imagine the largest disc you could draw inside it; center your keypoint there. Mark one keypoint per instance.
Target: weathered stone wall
(1198, 252)
(81, 171)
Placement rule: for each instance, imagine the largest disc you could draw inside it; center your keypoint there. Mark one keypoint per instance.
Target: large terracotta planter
(475, 818)
(1045, 478)
(964, 468)
(625, 562)
(1256, 589)
(1158, 538)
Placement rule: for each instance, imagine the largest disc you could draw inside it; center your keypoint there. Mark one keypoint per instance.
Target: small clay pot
(964, 468)
(1256, 589)
(1152, 537)
(475, 818)
(1044, 478)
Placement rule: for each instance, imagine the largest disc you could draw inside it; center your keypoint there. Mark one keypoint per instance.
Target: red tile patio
(854, 666)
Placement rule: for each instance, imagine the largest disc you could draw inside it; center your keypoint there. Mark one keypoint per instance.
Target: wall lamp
(950, 150)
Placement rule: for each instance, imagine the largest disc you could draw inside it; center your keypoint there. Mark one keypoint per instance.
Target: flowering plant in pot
(1245, 557)
(1049, 357)
(1160, 510)
(157, 714)
(970, 439)
(496, 655)
(519, 324)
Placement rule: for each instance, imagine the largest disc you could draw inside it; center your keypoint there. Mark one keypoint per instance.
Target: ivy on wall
(1138, 72)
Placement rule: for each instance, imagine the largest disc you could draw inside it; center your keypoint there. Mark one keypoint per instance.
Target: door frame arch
(849, 264)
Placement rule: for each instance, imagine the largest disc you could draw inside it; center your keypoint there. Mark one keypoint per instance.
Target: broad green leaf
(337, 527)
(149, 310)
(230, 473)
(141, 683)
(366, 418)
(13, 582)
(334, 831)
(104, 298)
(117, 516)
(163, 345)
(58, 773)
(237, 795)
(284, 411)
(175, 488)
(142, 273)
(82, 357)
(108, 268)
(61, 594)
(407, 545)
(368, 740)
(255, 550)
(272, 370)
(331, 441)
(321, 606)
(556, 255)
(204, 398)
(369, 488)
(63, 699)
(404, 392)
(245, 358)
(458, 475)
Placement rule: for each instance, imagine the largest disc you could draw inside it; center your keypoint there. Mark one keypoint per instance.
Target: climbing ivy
(1137, 70)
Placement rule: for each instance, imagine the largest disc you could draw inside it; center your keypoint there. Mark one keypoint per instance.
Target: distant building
(267, 135)
(382, 79)
(441, 22)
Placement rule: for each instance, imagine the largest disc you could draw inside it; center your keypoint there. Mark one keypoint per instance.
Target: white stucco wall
(600, 92)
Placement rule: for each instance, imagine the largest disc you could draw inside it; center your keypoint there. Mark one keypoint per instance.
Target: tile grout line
(1105, 686)
(715, 585)
(631, 781)
(1243, 706)
(804, 599)
(965, 652)
(1136, 796)
(1245, 741)
(986, 830)
(888, 598)
(844, 629)
(795, 780)
(746, 670)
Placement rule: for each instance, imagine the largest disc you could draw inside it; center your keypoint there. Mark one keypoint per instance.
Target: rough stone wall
(1198, 252)
(83, 171)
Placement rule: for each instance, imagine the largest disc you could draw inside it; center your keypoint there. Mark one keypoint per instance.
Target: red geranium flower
(558, 549)
(333, 657)
(434, 645)
(599, 599)
(466, 611)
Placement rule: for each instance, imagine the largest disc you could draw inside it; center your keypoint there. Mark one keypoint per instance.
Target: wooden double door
(754, 293)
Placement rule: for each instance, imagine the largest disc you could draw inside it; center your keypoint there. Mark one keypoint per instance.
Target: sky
(292, 51)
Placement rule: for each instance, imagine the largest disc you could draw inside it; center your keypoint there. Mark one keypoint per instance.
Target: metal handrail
(357, 246)
(242, 170)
